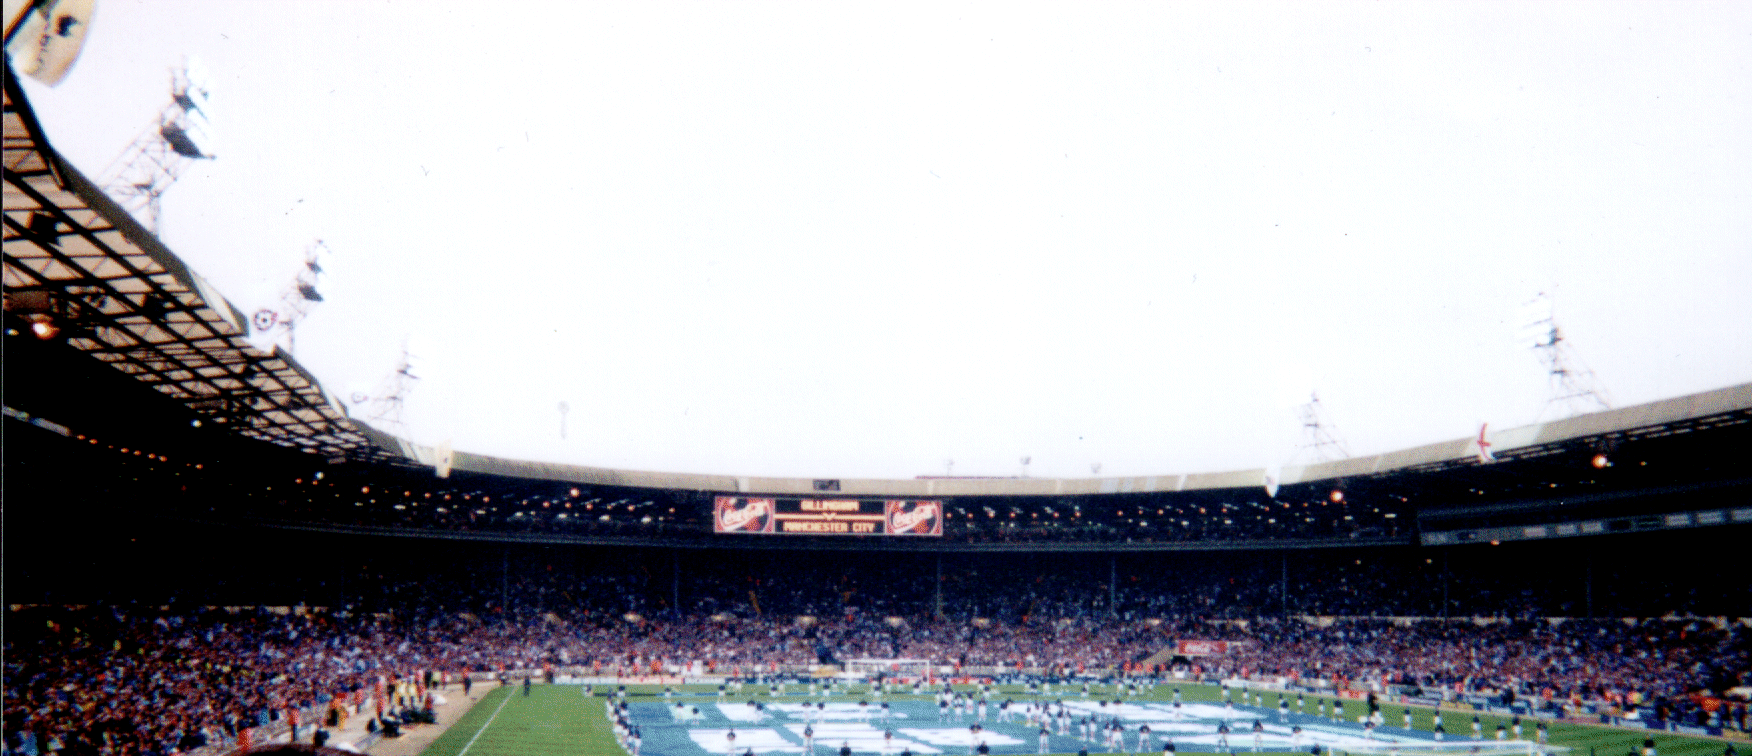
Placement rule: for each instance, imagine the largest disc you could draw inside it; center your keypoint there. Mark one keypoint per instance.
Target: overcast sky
(864, 239)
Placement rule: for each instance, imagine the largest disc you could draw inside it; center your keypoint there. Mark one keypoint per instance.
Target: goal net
(909, 668)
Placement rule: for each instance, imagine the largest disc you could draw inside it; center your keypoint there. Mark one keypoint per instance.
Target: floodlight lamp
(1601, 462)
(43, 327)
(182, 141)
(1337, 496)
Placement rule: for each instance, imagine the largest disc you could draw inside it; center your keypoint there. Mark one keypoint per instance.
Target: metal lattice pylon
(279, 324)
(1573, 388)
(144, 171)
(384, 406)
(1320, 440)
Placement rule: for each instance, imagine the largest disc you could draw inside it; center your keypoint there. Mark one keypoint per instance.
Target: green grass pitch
(552, 719)
(558, 719)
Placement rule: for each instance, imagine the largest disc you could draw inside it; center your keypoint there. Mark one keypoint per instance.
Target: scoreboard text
(901, 517)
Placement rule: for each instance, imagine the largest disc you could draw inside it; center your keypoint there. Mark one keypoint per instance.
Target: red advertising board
(1201, 648)
(734, 515)
(914, 517)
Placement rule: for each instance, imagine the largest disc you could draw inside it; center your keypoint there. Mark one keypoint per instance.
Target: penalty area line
(485, 725)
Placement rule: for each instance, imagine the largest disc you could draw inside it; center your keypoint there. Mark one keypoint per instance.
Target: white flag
(446, 458)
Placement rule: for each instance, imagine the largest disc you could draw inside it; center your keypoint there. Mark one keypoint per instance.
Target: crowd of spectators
(531, 507)
(1350, 582)
(246, 483)
(148, 679)
(258, 485)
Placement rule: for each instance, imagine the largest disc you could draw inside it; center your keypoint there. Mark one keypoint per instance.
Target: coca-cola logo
(750, 514)
(921, 517)
(1203, 647)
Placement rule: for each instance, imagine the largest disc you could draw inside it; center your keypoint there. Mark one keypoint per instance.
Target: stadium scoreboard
(857, 517)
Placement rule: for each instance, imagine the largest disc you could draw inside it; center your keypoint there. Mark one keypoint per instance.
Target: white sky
(861, 239)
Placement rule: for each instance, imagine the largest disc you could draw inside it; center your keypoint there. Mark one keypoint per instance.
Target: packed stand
(134, 678)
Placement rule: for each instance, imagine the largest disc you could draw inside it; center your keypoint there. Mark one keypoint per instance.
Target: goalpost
(909, 668)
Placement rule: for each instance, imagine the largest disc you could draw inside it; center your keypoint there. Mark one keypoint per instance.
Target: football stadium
(209, 550)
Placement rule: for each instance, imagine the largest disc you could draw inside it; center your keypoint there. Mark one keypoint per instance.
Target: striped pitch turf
(552, 719)
(558, 719)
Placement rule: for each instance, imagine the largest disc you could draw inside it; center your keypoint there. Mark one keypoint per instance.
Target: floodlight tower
(1321, 441)
(1574, 390)
(183, 133)
(269, 324)
(385, 404)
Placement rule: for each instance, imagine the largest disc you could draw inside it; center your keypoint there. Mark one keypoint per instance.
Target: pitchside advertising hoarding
(895, 517)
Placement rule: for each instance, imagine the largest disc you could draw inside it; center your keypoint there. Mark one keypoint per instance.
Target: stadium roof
(76, 259)
(80, 264)
(1731, 405)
